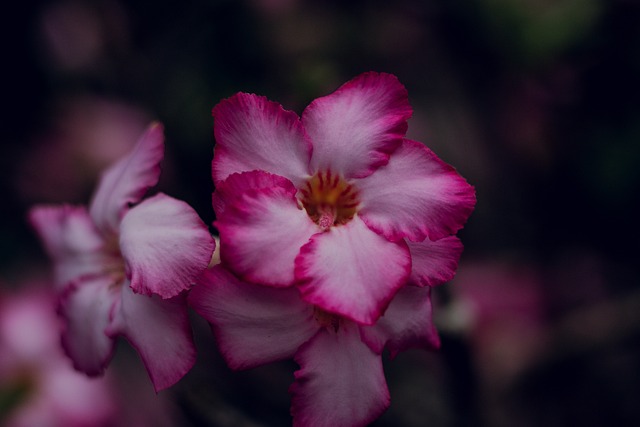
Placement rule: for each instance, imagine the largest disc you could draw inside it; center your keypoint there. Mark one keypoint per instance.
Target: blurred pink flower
(500, 306)
(47, 391)
(122, 265)
(338, 203)
(80, 36)
(88, 134)
(340, 381)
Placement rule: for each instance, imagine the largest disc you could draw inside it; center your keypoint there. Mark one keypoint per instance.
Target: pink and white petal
(253, 133)
(356, 128)
(261, 234)
(159, 330)
(340, 381)
(407, 323)
(434, 263)
(86, 307)
(253, 324)
(71, 240)
(416, 195)
(165, 246)
(124, 183)
(236, 184)
(352, 271)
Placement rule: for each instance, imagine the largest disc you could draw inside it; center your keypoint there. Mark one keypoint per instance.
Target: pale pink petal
(86, 306)
(261, 234)
(416, 195)
(433, 263)
(124, 183)
(407, 323)
(253, 324)
(253, 133)
(356, 128)
(165, 245)
(352, 271)
(159, 330)
(71, 240)
(340, 381)
(236, 184)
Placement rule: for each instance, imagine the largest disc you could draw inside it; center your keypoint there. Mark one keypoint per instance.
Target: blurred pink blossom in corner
(80, 36)
(38, 386)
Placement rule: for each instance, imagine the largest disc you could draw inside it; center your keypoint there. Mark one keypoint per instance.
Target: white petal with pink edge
(236, 184)
(165, 245)
(356, 128)
(416, 195)
(159, 330)
(261, 234)
(253, 133)
(340, 381)
(71, 240)
(127, 180)
(407, 323)
(352, 271)
(86, 307)
(433, 263)
(253, 324)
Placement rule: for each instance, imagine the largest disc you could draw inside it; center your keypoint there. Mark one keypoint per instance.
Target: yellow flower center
(329, 200)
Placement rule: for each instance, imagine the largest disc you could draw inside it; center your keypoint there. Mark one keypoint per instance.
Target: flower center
(113, 263)
(326, 319)
(329, 200)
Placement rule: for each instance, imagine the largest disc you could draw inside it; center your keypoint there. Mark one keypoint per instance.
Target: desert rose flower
(121, 267)
(338, 202)
(340, 381)
(38, 386)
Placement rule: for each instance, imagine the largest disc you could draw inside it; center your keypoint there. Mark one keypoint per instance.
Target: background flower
(38, 386)
(122, 265)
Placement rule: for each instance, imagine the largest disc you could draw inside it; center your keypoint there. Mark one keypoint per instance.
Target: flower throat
(329, 200)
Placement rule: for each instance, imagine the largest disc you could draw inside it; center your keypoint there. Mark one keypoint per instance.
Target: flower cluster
(333, 229)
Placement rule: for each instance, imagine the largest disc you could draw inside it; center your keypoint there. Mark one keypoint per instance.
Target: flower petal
(159, 330)
(253, 324)
(127, 180)
(340, 381)
(352, 271)
(253, 133)
(165, 245)
(433, 263)
(356, 128)
(236, 184)
(261, 234)
(86, 307)
(415, 196)
(407, 323)
(71, 240)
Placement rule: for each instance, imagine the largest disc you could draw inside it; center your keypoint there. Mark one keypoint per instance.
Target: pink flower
(121, 267)
(340, 381)
(338, 203)
(34, 369)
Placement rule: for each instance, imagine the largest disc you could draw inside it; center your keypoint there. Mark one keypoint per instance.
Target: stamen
(327, 218)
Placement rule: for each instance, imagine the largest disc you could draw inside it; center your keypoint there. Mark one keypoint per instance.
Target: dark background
(535, 102)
